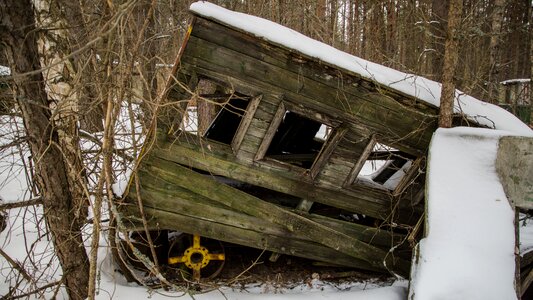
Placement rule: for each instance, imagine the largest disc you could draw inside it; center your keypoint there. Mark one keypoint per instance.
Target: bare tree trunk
(530, 27)
(18, 35)
(494, 47)
(531, 65)
(450, 61)
(439, 15)
(63, 100)
(83, 65)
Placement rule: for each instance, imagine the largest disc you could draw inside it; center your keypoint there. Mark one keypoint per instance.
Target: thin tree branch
(34, 201)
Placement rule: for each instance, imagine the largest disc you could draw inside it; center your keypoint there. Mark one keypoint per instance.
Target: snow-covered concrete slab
(515, 167)
(469, 248)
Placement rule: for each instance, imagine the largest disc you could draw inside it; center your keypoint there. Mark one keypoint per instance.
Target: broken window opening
(385, 167)
(214, 113)
(224, 127)
(298, 140)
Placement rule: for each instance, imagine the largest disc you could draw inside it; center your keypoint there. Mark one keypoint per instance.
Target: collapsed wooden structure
(277, 162)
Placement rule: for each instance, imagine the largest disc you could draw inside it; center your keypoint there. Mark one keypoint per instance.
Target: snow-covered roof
(422, 88)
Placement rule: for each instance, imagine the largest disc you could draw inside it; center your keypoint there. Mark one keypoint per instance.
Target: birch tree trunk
(451, 53)
(53, 48)
(80, 29)
(18, 36)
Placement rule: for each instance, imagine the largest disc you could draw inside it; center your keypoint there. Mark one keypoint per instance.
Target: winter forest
(83, 83)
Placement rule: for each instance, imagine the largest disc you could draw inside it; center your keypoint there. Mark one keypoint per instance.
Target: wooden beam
(216, 159)
(409, 177)
(360, 162)
(327, 150)
(158, 219)
(276, 121)
(245, 123)
(159, 193)
(241, 201)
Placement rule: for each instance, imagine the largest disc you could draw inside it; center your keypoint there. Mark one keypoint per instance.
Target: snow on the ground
(315, 290)
(13, 182)
(469, 249)
(420, 87)
(25, 242)
(5, 71)
(23, 234)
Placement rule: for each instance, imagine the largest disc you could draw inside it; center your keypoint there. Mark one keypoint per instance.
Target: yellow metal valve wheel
(196, 257)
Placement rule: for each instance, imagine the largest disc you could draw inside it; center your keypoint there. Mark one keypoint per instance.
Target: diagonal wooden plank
(241, 201)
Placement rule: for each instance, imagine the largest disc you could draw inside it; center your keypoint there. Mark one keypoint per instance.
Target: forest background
(77, 65)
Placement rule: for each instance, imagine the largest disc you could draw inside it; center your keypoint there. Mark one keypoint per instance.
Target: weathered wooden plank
(326, 151)
(409, 177)
(245, 123)
(360, 162)
(159, 193)
(312, 114)
(251, 205)
(265, 114)
(206, 55)
(250, 146)
(161, 219)
(271, 131)
(258, 128)
(342, 162)
(215, 159)
(271, 101)
(332, 176)
(298, 63)
(341, 81)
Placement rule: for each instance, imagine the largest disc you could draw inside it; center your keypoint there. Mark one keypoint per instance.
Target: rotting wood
(245, 123)
(360, 162)
(159, 193)
(360, 199)
(224, 205)
(326, 151)
(168, 197)
(406, 137)
(280, 56)
(407, 179)
(374, 116)
(249, 204)
(304, 206)
(370, 97)
(271, 131)
(164, 219)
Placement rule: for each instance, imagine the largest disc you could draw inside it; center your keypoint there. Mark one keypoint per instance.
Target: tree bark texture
(451, 53)
(439, 16)
(84, 66)
(494, 49)
(531, 65)
(53, 48)
(18, 36)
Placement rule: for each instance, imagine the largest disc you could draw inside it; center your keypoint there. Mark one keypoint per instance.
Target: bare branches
(34, 201)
